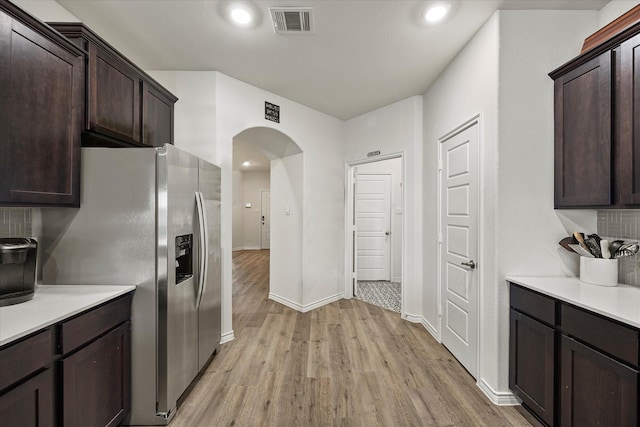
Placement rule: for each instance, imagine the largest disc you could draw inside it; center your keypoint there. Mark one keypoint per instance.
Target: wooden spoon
(581, 242)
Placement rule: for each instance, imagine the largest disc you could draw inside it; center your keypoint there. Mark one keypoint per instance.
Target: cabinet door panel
(531, 364)
(41, 119)
(157, 118)
(595, 389)
(96, 381)
(583, 135)
(629, 125)
(114, 95)
(30, 404)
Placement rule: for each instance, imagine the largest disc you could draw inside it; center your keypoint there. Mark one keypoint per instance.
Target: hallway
(348, 363)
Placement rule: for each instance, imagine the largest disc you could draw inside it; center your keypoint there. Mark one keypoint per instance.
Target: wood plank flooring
(348, 363)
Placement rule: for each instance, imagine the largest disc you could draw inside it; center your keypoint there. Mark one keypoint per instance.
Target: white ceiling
(363, 54)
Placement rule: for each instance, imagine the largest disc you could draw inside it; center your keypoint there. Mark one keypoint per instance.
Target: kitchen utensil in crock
(593, 246)
(597, 238)
(566, 242)
(604, 249)
(581, 251)
(627, 249)
(580, 240)
(613, 247)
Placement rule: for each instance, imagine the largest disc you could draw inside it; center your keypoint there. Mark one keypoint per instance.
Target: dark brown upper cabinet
(125, 106)
(597, 139)
(629, 128)
(41, 107)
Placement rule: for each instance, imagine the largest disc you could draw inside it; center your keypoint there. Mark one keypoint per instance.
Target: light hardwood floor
(345, 364)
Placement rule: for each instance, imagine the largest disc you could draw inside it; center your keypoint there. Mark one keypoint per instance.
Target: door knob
(386, 233)
(471, 264)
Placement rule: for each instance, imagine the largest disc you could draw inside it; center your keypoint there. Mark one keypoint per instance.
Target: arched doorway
(267, 160)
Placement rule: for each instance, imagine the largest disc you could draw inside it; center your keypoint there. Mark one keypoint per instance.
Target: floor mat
(381, 293)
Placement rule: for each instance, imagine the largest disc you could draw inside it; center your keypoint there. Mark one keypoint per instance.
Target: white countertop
(620, 302)
(52, 304)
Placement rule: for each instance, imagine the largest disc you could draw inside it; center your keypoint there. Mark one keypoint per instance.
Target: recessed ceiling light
(247, 163)
(241, 16)
(436, 13)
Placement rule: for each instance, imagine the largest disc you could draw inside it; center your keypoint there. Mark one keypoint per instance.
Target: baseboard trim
(498, 398)
(226, 337)
(285, 301)
(420, 319)
(307, 307)
(323, 301)
(413, 318)
(239, 248)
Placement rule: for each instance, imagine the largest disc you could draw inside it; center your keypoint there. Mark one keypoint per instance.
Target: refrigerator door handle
(204, 248)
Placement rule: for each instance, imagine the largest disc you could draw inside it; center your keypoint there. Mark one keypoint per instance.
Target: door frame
(475, 120)
(350, 259)
(261, 215)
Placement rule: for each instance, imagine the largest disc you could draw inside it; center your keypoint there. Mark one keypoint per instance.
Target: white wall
(613, 10)
(469, 86)
(529, 49)
(397, 128)
(195, 111)
(392, 167)
(287, 249)
(241, 106)
(502, 75)
(237, 210)
(254, 183)
(46, 10)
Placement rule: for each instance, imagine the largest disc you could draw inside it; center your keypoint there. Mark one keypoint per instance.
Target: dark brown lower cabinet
(570, 366)
(531, 364)
(95, 381)
(73, 373)
(30, 404)
(596, 390)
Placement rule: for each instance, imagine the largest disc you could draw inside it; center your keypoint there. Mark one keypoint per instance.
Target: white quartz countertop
(620, 302)
(51, 304)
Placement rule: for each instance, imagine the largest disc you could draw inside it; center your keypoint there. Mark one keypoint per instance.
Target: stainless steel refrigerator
(148, 217)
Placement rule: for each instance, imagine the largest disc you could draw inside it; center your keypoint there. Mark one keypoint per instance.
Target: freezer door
(177, 313)
(209, 314)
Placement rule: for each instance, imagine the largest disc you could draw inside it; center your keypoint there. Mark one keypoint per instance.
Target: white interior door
(265, 207)
(459, 249)
(373, 226)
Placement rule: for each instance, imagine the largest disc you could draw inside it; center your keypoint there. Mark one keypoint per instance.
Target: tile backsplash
(622, 225)
(16, 222)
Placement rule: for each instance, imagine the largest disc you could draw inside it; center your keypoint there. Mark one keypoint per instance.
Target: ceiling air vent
(290, 20)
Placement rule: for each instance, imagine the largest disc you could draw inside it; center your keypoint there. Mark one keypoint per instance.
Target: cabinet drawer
(84, 327)
(20, 360)
(533, 304)
(613, 338)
